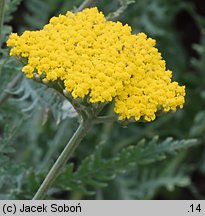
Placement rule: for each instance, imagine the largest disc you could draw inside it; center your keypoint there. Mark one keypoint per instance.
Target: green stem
(116, 13)
(85, 4)
(63, 158)
(105, 119)
(2, 4)
(54, 145)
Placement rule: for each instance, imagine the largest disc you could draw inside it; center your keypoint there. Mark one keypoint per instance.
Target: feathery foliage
(10, 7)
(95, 172)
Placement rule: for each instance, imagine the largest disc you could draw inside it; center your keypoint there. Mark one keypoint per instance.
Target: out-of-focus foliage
(10, 7)
(96, 171)
(114, 161)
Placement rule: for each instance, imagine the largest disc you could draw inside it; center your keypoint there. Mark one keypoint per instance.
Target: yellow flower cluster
(102, 60)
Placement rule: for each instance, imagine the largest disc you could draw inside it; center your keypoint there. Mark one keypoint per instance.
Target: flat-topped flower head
(101, 60)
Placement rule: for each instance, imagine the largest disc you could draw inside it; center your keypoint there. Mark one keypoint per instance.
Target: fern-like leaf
(95, 172)
(143, 181)
(33, 96)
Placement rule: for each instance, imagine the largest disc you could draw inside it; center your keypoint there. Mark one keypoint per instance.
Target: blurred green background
(34, 127)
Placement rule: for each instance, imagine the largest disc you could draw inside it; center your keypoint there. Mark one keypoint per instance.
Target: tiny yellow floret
(101, 60)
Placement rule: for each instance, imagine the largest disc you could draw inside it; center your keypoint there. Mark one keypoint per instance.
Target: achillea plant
(102, 61)
(92, 62)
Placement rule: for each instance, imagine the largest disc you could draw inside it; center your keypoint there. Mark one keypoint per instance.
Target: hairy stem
(63, 158)
(2, 4)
